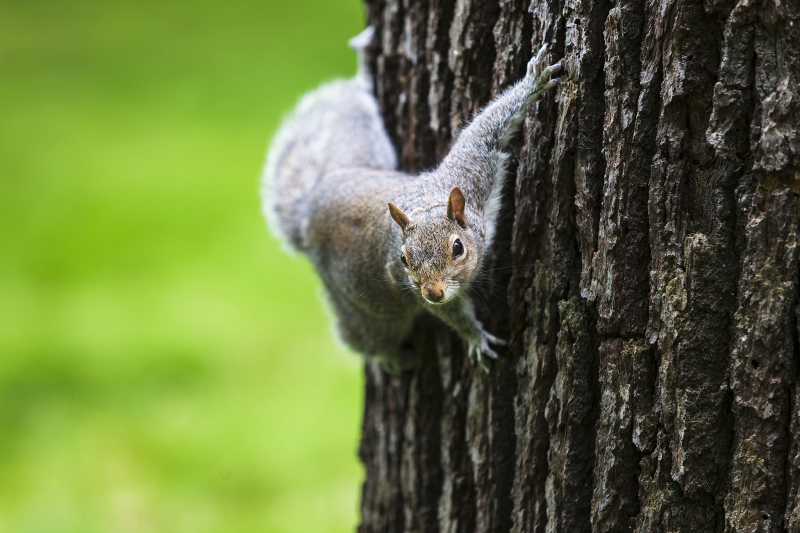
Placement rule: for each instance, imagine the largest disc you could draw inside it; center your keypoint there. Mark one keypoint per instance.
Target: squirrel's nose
(433, 293)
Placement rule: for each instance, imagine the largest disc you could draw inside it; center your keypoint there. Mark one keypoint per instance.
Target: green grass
(164, 366)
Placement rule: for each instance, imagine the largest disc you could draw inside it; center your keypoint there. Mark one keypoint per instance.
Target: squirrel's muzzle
(433, 292)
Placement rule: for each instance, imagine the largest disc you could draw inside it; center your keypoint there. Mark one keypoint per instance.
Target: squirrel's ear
(398, 216)
(455, 207)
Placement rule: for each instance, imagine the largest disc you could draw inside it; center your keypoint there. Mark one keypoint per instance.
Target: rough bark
(645, 271)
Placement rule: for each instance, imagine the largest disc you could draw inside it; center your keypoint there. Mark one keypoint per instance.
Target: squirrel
(331, 171)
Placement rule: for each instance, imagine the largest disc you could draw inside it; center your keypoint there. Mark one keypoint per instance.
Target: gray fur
(330, 172)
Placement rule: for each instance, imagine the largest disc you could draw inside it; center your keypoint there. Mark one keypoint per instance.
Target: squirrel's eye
(403, 259)
(458, 248)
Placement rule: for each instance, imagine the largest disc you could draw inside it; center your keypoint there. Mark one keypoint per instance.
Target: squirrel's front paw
(479, 348)
(542, 75)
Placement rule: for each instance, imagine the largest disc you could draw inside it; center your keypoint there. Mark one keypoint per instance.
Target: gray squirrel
(330, 172)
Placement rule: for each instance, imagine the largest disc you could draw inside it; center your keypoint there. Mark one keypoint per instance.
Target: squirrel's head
(439, 253)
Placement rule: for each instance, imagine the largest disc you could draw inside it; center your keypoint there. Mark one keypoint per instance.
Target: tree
(645, 272)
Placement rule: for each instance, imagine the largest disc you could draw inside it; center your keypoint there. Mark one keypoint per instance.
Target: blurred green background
(164, 366)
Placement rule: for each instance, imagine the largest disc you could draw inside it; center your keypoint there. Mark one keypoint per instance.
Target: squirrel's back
(336, 126)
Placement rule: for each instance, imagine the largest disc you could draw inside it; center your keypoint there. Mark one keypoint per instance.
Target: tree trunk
(645, 272)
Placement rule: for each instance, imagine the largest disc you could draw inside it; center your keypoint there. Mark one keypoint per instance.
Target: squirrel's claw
(477, 355)
(535, 63)
(479, 350)
(549, 71)
(542, 76)
(549, 84)
(545, 79)
(494, 340)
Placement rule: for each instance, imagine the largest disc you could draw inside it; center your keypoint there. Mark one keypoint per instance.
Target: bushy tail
(336, 126)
